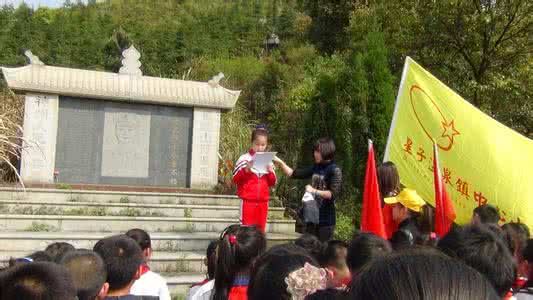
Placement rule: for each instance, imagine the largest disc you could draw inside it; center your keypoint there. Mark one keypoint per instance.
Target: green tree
(380, 90)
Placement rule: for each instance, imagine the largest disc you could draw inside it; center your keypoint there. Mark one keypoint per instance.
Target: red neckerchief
(144, 269)
(201, 283)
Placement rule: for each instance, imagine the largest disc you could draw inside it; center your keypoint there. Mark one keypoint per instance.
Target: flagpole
(438, 182)
(396, 109)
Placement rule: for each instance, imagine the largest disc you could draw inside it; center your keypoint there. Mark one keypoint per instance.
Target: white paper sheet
(262, 160)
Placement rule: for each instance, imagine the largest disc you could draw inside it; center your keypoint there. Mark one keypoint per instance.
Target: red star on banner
(449, 131)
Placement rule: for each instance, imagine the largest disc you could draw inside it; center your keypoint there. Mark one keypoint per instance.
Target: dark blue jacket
(325, 176)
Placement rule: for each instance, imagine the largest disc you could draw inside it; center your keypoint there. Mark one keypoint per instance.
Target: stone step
(161, 241)
(59, 195)
(27, 207)
(121, 223)
(161, 262)
(181, 283)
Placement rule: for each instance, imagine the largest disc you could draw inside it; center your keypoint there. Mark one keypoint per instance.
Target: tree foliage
(335, 72)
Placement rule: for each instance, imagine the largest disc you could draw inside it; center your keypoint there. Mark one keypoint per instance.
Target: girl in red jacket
(252, 187)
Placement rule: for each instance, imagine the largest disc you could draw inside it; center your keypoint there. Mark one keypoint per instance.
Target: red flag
(390, 226)
(372, 216)
(444, 211)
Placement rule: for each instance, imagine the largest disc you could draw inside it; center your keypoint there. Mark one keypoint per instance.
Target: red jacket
(250, 185)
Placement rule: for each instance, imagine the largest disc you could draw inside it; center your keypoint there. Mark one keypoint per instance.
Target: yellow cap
(408, 198)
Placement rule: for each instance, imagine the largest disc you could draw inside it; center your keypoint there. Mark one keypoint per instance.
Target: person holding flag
(414, 219)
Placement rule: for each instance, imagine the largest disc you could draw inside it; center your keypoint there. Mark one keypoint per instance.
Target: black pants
(323, 233)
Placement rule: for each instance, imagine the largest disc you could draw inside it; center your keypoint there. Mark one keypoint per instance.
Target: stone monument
(93, 127)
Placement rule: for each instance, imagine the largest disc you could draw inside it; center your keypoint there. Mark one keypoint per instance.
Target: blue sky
(34, 3)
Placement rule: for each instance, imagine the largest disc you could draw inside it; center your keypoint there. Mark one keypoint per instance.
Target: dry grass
(234, 141)
(11, 116)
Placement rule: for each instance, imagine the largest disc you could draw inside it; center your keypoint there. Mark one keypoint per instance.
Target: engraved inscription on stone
(126, 144)
(39, 132)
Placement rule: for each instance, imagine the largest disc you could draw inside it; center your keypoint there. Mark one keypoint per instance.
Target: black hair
(327, 294)
(259, 130)
(487, 214)
(388, 179)
(211, 255)
(267, 280)
(334, 254)
(311, 243)
(425, 219)
(141, 237)
(40, 256)
(420, 274)
(364, 248)
(483, 250)
(87, 270)
(326, 147)
(58, 249)
(238, 248)
(517, 234)
(122, 257)
(38, 280)
(527, 253)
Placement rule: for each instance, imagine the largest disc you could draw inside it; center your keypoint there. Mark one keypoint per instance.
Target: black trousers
(323, 233)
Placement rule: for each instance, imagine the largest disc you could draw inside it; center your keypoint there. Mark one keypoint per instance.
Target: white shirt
(202, 292)
(151, 284)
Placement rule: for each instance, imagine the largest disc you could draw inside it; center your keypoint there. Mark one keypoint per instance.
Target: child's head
(405, 205)
(267, 280)
(323, 150)
(57, 250)
(123, 258)
(143, 240)
(211, 259)
(389, 180)
(310, 243)
(420, 274)
(483, 250)
(485, 214)
(518, 234)
(364, 248)
(37, 280)
(238, 248)
(259, 138)
(333, 258)
(88, 272)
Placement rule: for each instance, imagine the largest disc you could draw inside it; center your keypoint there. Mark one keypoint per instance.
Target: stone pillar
(205, 141)
(40, 133)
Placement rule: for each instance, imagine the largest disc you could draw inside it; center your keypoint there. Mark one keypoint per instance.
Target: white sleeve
(164, 294)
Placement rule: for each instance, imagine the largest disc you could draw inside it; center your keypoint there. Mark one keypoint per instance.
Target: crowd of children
(115, 269)
(477, 261)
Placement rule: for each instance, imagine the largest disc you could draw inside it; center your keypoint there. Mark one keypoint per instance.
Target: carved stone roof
(129, 85)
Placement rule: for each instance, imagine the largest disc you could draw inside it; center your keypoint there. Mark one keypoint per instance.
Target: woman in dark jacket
(326, 180)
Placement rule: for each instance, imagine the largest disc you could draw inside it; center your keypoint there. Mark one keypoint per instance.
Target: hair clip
(261, 127)
(24, 260)
(232, 239)
(305, 281)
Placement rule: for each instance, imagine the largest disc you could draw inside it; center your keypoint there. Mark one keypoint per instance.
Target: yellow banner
(481, 160)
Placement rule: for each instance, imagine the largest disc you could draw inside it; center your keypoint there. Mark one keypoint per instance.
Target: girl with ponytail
(238, 248)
